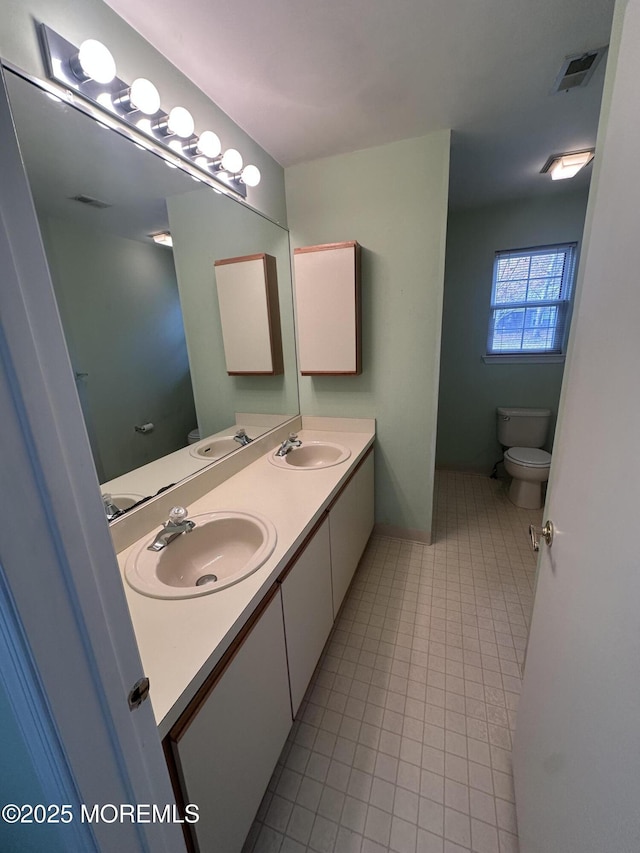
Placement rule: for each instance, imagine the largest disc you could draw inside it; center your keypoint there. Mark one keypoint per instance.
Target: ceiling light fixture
(163, 238)
(89, 73)
(563, 166)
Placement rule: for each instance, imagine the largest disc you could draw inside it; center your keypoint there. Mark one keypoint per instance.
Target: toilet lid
(531, 456)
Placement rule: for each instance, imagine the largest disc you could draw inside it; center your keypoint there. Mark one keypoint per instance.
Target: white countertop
(181, 640)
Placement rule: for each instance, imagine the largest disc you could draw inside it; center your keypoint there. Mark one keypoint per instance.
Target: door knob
(545, 532)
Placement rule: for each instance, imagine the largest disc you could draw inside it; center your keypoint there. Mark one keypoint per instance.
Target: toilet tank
(522, 427)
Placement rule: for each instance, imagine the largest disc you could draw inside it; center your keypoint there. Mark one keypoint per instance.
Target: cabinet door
(327, 295)
(249, 314)
(350, 525)
(308, 611)
(228, 751)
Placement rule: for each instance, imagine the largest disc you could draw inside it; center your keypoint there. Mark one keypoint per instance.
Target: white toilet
(523, 432)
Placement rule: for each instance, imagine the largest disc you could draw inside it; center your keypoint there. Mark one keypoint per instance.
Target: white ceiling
(313, 78)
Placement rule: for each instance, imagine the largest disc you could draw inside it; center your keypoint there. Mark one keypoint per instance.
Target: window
(530, 301)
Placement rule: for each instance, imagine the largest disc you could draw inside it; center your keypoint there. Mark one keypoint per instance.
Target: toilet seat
(531, 457)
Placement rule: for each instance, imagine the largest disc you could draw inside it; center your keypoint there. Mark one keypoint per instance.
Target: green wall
(77, 20)
(120, 309)
(470, 390)
(393, 200)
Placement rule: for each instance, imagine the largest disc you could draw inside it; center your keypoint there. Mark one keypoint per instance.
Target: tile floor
(403, 740)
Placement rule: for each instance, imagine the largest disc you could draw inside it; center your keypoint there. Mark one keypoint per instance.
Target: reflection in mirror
(142, 320)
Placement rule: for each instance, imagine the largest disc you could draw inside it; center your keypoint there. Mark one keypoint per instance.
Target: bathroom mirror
(141, 319)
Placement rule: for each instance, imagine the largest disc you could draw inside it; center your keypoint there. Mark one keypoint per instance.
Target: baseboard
(411, 534)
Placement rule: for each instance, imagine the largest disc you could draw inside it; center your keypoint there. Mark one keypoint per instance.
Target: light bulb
(94, 62)
(144, 96)
(565, 167)
(231, 161)
(104, 99)
(180, 122)
(176, 145)
(209, 144)
(163, 238)
(560, 172)
(568, 165)
(144, 125)
(250, 175)
(202, 162)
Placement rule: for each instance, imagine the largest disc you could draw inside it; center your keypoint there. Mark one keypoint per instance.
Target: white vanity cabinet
(351, 520)
(308, 610)
(224, 747)
(226, 744)
(328, 310)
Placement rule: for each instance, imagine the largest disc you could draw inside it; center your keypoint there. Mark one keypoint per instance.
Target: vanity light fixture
(204, 148)
(563, 166)
(250, 175)
(163, 238)
(142, 96)
(89, 73)
(144, 124)
(231, 161)
(208, 144)
(179, 122)
(105, 100)
(93, 61)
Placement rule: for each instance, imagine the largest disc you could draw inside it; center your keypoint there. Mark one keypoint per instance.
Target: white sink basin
(311, 456)
(125, 501)
(222, 549)
(214, 448)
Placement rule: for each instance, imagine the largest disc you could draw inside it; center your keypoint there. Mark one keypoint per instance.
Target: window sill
(522, 358)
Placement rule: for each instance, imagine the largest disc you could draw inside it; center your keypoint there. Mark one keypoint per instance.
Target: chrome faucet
(242, 438)
(111, 509)
(176, 524)
(288, 444)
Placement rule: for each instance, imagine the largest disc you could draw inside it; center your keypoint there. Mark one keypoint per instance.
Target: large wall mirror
(141, 319)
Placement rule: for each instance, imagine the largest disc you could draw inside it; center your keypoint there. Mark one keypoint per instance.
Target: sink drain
(206, 579)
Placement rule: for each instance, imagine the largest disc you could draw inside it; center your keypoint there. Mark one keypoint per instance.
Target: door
(63, 613)
(577, 743)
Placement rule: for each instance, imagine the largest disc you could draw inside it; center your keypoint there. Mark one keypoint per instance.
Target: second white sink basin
(311, 456)
(125, 501)
(222, 549)
(214, 448)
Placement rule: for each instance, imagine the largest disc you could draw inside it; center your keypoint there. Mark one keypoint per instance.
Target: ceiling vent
(91, 202)
(577, 70)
